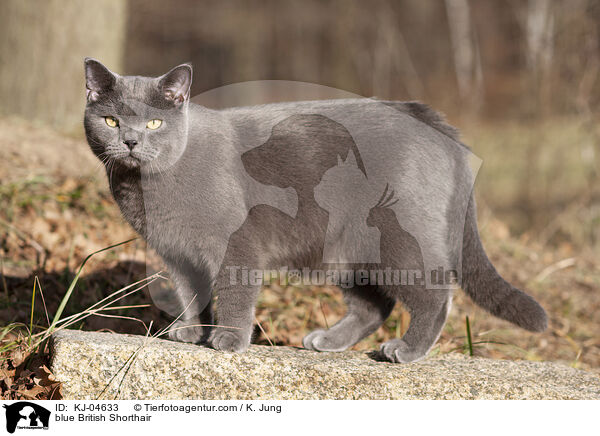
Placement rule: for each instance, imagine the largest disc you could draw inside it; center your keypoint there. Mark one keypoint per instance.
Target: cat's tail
(489, 290)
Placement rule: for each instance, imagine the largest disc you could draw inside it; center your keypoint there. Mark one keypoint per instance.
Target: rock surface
(107, 366)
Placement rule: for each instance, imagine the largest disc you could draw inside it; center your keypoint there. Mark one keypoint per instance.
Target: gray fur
(211, 189)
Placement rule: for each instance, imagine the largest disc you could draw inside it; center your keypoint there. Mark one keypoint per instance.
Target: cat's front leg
(235, 317)
(238, 283)
(190, 303)
(194, 330)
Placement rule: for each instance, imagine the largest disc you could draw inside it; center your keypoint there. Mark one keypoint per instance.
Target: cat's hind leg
(428, 312)
(368, 308)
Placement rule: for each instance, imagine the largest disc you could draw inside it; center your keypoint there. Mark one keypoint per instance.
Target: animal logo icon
(25, 414)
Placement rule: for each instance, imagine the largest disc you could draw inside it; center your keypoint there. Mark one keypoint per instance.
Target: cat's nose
(130, 143)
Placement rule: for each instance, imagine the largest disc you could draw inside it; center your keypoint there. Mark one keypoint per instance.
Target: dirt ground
(55, 209)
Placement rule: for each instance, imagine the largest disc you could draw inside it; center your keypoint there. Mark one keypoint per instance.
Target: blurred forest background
(520, 78)
(506, 64)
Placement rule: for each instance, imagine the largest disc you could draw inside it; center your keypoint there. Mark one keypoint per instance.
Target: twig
(127, 364)
(31, 315)
(565, 263)
(323, 312)
(264, 332)
(131, 318)
(43, 299)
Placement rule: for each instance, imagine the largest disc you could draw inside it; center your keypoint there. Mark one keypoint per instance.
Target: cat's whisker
(112, 166)
(104, 157)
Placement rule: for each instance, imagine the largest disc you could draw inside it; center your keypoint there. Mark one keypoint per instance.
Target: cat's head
(137, 121)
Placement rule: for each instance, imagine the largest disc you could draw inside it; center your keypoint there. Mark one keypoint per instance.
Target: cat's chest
(130, 199)
(174, 221)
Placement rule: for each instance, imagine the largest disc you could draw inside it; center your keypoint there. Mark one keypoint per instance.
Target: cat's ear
(98, 79)
(175, 85)
(340, 161)
(351, 159)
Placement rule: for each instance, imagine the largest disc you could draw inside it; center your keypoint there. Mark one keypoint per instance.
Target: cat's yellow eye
(154, 124)
(111, 121)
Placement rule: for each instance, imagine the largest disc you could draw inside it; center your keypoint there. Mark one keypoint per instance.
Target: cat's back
(367, 110)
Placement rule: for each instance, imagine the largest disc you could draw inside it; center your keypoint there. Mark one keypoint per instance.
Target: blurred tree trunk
(538, 23)
(539, 31)
(467, 61)
(42, 46)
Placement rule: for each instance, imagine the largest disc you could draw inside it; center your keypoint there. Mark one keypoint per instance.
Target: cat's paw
(398, 351)
(324, 340)
(230, 340)
(189, 331)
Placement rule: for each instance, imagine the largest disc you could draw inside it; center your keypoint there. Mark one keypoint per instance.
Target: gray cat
(224, 195)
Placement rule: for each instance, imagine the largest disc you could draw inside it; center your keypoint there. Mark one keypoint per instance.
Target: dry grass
(52, 216)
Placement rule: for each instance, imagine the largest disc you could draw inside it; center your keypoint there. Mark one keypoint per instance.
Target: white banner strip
(312, 417)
